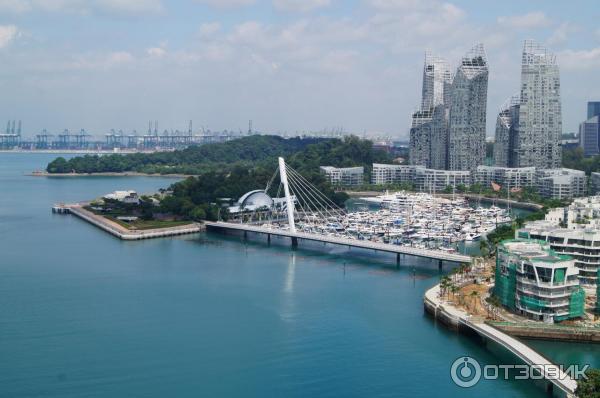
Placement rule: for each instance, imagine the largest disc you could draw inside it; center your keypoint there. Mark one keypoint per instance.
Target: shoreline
(81, 151)
(107, 174)
(121, 232)
(458, 320)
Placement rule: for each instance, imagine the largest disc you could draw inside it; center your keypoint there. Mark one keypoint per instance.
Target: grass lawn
(139, 224)
(151, 224)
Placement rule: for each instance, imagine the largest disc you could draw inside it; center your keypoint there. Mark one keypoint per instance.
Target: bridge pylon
(288, 199)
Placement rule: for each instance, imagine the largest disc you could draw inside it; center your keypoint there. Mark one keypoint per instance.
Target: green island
(223, 170)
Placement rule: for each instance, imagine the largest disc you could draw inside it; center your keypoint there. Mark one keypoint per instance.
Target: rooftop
(533, 250)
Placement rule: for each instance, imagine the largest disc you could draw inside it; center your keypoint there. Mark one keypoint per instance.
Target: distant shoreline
(110, 174)
(82, 151)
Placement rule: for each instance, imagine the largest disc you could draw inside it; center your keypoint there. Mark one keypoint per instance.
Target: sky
(289, 65)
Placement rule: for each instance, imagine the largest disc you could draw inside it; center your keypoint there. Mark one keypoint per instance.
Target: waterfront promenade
(458, 319)
(362, 244)
(121, 232)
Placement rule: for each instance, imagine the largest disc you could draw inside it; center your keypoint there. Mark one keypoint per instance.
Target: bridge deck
(364, 244)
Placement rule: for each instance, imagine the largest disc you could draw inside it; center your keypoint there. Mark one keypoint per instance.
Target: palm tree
(474, 296)
(455, 289)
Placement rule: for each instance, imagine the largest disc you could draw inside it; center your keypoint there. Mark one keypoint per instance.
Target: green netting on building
(533, 304)
(505, 287)
(559, 275)
(576, 305)
(598, 293)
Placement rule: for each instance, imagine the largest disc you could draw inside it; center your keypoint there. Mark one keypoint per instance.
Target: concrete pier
(121, 232)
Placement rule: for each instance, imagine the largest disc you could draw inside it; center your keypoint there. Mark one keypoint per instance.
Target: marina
(407, 219)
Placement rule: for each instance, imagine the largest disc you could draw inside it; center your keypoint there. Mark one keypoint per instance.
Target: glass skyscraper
(467, 116)
(593, 109)
(538, 137)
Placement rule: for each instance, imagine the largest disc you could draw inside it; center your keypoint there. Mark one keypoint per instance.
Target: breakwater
(121, 232)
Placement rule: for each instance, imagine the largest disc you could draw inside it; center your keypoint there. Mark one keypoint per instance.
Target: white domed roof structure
(255, 200)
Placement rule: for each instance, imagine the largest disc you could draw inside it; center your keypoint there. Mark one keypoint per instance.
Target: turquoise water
(83, 314)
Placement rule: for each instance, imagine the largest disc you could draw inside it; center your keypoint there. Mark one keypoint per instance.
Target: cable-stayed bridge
(300, 211)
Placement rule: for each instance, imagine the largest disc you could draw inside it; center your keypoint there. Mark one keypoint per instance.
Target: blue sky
(290, 65)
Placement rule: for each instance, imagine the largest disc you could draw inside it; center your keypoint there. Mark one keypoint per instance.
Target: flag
(496, 187)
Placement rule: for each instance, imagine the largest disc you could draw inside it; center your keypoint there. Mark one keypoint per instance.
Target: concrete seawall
(459, 320)
(123, 233)
(554, 333)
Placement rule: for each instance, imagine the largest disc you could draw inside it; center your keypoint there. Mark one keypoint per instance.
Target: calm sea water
(83, 314)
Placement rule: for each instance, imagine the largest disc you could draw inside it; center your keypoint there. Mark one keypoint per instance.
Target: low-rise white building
(561, 183)
(430, 180)
(383, 174)
(345, 176)
(506, 177)
(582, 244)
(130, 197)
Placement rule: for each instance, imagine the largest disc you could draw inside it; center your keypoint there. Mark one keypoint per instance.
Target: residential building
(420, 138)
(561, 183)
(539, 132)
(428, 132)
(431, 180)
(535, 281)
(506, 126)
(509, 178)
(448, 130)
(582, 244)
(344, 176)
(384, 174)
(436, 76)
(467, 104)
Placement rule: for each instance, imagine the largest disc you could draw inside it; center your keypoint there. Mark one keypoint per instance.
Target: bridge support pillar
(397, 260)
(269, 239)
(440, 264)
(245, 235)
(294, 243)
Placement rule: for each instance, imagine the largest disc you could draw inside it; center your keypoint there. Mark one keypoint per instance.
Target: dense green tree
(589, 387)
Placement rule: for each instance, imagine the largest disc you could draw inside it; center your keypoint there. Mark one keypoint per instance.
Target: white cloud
(99, 61)
(579, 59)
(14, 6)
(8, 33)
(156, 52)
(131, 7)
(532, 20)
(209, 29)
(125, 7)
(226, 3)
(300, 5)
(561, 34)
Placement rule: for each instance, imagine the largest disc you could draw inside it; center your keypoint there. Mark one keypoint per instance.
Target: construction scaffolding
(505, 288)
